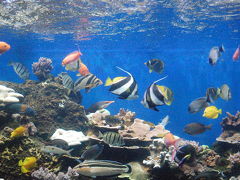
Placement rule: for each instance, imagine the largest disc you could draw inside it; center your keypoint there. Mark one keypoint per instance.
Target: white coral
(8, 95)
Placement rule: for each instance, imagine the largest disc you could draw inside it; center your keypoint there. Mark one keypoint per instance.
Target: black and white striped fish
(113, 139)
(87, 82)
(153, 96)
(124, 87)
(20, 70)
(67, 81)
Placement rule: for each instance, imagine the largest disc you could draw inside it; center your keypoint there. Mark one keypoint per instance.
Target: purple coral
(42, 68)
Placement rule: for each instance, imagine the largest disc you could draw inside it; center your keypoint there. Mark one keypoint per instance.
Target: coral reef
(54, 109)
(160, 155)
(45, 174)
(231, 129)
(58, 114)
(42, 68)
(8, 95)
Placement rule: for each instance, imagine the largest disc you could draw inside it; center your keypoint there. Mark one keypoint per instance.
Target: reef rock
(230, 129)
(54, 109)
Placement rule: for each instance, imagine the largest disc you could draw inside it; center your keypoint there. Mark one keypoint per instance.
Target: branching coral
(160, 155)
(44, 174)
(42, 68)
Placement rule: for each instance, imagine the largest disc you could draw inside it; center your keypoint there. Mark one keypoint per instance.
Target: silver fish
(94, 168)
(93, 152)
(214, 54)
(98, 106)
(20, 70)
(225, 92)
(55, 150)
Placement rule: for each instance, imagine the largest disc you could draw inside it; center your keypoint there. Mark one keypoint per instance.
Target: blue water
(180, 33)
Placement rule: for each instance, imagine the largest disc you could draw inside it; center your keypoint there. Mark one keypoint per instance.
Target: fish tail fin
(220, 111)
(108, 82)
(69, 152)
(20, 163)
(124, 71)
(129, 168)
(208, 126)
(24, 170)
(221, 48)
(218, 91)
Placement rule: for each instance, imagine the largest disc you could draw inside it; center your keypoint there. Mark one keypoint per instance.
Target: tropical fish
(19, 131)
(155, 65)
(83, 70)
(214, 54)
(156, 95)
(93, 152)
(98, 106)
(212, 94)
(66, 80)
(20, 70)
(124, 87)
(87, 82)
(95, 168)
(225, 92)
(197, 105)
(28, 164)
(4, 47)
(196, 128)
(236, 54)
(212, 112)
(170, 139)
(113, 139)
(55, 150)
(19, 108)
(72, 61)
(59, 143)
(185, 154)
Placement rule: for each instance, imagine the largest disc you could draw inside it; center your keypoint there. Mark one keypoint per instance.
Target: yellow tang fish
(27, 164)
(20, 131)
(211, 112)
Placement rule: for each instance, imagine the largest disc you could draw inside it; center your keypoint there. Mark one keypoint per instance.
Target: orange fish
(72, 57)
(236, 54)
(169, 140)
(83, 70)
(4, 47)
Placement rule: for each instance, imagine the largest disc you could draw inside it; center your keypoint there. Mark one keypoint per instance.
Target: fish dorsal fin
(108, 82)
(116, 79)
(159, 80)
(124, 71)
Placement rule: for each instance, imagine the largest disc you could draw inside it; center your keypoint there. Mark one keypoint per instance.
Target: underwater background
(127, 34)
